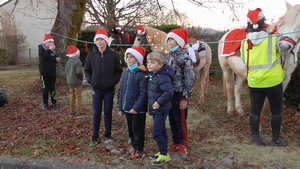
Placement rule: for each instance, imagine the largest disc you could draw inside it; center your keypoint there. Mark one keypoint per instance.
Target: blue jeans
(98, 99)
(159, 131)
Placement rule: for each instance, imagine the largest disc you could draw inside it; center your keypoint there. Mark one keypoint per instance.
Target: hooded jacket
(74, 72)
(160, 89)
(47, 61)
(103, 70)
(133, 92)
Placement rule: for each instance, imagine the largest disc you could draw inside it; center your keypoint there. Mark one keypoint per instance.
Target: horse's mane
(156, 38)
(292, 16)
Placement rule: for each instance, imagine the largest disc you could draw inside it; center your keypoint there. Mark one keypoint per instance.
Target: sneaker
(55, 107)
(92, 142)
(162, 159)
(45, 107)
(132, 155)
(139, 155)
(173, 148)
(109, 138)
(81, 115)
(182, 150)
(154, 156)
(72, 113)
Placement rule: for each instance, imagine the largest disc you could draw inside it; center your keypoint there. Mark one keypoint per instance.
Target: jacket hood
(166, 69)
(257, 37)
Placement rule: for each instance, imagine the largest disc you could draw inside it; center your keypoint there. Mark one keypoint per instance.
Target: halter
(293, 43)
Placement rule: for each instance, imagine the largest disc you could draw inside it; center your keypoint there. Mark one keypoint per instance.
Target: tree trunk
(67, 25)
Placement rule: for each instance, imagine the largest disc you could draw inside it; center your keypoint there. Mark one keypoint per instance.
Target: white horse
(288, 46)
(155, 39)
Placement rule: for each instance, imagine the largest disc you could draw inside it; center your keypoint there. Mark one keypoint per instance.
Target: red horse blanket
(233, 41)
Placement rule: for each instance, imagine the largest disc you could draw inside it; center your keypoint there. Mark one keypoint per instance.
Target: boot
(254, 125)
(276, 127)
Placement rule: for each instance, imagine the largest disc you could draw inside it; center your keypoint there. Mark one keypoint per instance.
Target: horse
(288, 45)
(155, 40)
(120, 40)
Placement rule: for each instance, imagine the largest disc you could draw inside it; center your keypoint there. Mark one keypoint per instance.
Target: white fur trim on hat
(48, 40)
(136, 54)
(101, 36)
(177, 38)
(191, 53)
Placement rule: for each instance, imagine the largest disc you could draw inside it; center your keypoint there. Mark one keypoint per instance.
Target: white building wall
(34, 20)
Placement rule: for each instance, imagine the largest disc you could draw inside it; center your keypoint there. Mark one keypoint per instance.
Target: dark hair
(261, 26)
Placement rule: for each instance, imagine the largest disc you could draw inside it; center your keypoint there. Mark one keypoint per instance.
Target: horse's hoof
(230, 112)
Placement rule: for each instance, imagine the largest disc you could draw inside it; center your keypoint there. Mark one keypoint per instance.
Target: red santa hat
(141, 30)
(138, 52)
(72, 51)
(48, 38)
(254, 16)
(101, 33)
(181, 37)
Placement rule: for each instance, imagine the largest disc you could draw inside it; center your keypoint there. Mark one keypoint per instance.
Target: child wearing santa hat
(103, 71)
(47, 67)
(133, 99)
(74, 76)
(160, 93)
(180, 60)
(264, 77)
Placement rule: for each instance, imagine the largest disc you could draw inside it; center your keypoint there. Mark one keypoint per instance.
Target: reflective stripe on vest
(264, 66)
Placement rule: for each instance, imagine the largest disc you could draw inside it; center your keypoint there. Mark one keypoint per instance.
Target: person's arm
(188, 78)
(44, 54)
(142, 100)
(118, 69)
(78, 70)
(166, 86)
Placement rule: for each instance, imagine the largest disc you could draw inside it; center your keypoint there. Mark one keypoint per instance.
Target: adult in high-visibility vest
(265, 76)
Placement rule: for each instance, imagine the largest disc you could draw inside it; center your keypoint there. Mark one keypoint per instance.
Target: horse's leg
(237, 92)
(204, 73)
(228, 80)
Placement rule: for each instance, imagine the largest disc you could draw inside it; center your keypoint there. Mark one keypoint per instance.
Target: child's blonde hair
(158, 56)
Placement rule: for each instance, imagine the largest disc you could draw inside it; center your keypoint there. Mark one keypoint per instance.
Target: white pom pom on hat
(72, 51)
(254, 16)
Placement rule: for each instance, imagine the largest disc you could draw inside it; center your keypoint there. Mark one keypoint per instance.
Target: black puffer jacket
(103, 71)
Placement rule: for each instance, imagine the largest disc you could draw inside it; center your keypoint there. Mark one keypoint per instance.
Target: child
(179, 59)
(160, 93)
(74, 79)
(133, 99)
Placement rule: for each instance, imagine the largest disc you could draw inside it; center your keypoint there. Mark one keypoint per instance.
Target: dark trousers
(49, 86)
(274, 95)
(159, 131)
(177, 118)
(136, 129)
(98, 100)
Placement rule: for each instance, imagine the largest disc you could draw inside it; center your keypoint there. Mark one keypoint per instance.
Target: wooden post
(29, 57)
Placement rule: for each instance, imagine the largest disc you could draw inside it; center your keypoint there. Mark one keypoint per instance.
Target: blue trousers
(98, 100)
(159, 131)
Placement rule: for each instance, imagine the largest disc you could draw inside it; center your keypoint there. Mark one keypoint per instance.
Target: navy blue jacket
(160, 89)
(133, 92)
(103, 71)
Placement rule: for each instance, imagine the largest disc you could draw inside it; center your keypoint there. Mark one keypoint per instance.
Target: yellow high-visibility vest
(265, 68)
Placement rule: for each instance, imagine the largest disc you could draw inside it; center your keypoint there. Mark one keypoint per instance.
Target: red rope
(86, 47)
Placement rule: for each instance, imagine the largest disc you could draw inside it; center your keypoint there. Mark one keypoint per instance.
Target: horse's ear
(288, 5)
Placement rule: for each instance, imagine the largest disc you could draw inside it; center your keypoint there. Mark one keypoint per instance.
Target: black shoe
(154, 156)
(93, 142)
(139, 155)
(55, 107)
(45, 107)
(278, 143)
(257, 141)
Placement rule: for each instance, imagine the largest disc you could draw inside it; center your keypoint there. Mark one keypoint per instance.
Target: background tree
(12, 39)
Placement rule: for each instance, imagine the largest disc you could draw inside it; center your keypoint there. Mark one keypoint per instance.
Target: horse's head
(290, 32)
(141, 37)
(115, 38)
